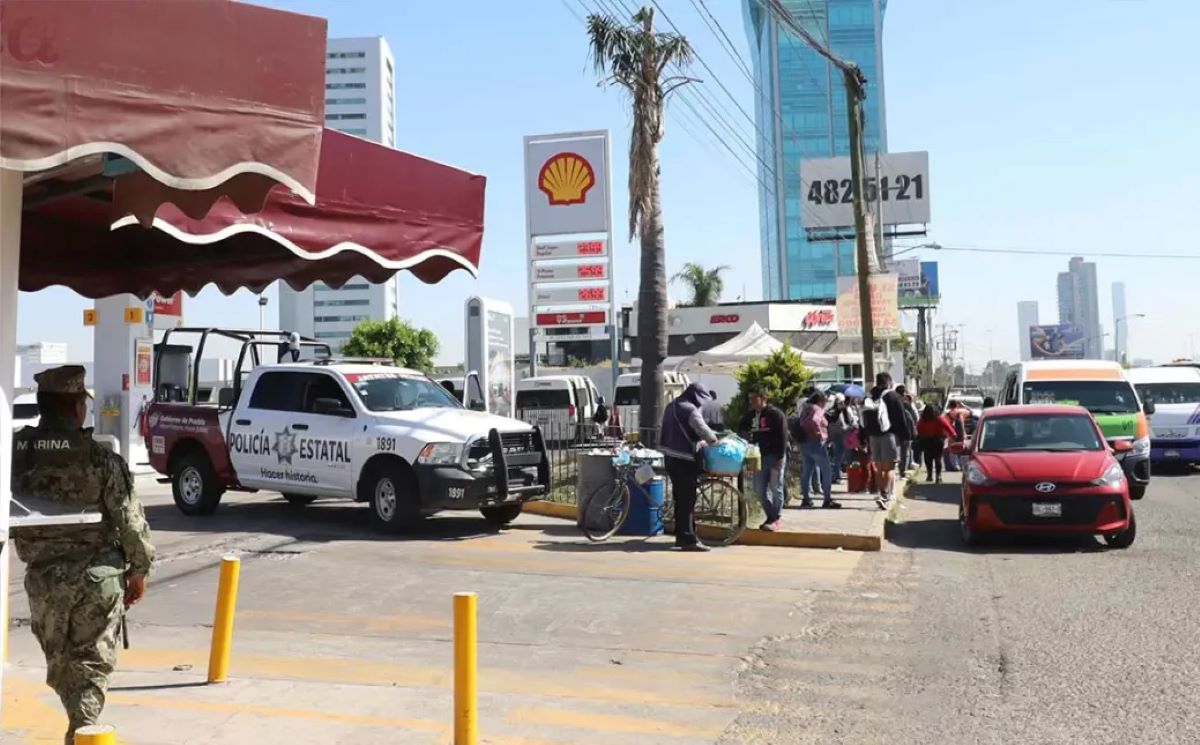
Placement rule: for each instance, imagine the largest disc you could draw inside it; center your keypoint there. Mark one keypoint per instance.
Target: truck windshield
(1170, 393)
(1097, 396)
(390, 392)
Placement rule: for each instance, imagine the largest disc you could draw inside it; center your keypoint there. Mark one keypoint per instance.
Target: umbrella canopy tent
(377, 211)
(752, 344)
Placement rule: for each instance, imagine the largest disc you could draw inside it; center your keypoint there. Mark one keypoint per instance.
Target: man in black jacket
(768, 430)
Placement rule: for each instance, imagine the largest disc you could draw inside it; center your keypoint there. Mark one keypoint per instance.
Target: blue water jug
(726, 457)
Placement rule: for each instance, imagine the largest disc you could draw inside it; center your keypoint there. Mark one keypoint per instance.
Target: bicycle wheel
(721, 512)
(605, 511)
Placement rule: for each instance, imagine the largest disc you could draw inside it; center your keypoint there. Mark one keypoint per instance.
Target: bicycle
(721, 509)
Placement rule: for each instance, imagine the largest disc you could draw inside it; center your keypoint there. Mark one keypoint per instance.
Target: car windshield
(1170, 393)
(1097, 396)
(627, 395)
(25, 411)
(1054, 432)
(393, 392)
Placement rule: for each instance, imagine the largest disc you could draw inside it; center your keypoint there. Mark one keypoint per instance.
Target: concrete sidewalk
(858, 526)
(344, 636)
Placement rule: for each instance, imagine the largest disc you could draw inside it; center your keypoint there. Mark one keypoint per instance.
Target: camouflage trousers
(76, 615)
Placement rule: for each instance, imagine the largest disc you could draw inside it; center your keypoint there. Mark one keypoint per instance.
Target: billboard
(902, 189)
(1057, 342)
(885, 308)
(567, 183)
(917, 283)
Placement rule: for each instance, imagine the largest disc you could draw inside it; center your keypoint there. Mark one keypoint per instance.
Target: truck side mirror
(477, 405)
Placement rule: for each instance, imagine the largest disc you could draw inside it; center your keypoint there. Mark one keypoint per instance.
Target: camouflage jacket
(62, 463)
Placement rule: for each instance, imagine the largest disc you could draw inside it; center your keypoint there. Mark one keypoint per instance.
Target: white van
(627, 396)
(25, 411)
(562, 406)
(1175, 426)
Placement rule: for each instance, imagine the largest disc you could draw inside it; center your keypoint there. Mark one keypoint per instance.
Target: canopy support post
(11, 193)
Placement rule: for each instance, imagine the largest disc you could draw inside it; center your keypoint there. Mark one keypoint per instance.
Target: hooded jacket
(683, 425)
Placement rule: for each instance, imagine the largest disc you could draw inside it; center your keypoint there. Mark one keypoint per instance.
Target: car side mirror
(1148, 407)
(477, 405)
(960, 448)
(1122, 446)
(330, 407)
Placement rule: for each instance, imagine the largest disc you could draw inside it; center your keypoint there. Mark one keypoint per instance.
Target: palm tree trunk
(652, 308)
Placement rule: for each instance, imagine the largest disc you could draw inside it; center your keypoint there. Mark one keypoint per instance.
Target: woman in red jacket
(932, 431)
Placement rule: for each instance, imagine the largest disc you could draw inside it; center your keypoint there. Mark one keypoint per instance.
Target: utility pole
(856, 93)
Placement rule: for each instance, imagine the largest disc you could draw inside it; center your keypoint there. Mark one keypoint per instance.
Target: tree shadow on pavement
(614, 545)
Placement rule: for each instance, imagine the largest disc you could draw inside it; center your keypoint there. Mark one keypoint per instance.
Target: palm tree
(705, 285)
(636, 58)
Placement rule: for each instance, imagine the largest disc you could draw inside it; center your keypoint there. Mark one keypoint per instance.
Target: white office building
(1027, 315)
(359, 100)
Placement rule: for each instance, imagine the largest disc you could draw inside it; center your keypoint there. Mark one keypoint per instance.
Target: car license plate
(1047, 509)
(1171, 454)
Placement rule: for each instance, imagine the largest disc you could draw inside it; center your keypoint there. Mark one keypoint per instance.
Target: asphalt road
(1031, 641)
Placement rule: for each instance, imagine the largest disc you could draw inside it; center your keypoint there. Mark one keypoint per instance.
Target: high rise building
(359, 100)
(1079, 304)
(1027, 315)
(1120, 321)
(800, 112)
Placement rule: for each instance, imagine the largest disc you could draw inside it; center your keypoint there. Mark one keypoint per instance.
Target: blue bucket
(645, 508)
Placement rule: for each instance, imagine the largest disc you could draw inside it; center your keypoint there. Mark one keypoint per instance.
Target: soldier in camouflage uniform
(79, 578)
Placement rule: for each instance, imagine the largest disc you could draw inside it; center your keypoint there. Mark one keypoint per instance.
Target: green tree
(705, 285)
(396, 340)
(636, 58)
(782, 377)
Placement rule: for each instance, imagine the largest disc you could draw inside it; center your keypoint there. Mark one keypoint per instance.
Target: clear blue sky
(1059, 126)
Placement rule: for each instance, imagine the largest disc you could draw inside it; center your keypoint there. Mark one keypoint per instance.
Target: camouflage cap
(65, 379)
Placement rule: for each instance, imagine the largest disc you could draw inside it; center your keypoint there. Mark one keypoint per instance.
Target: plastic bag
(727, 456)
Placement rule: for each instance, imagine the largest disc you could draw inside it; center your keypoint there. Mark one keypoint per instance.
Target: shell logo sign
(566, 178)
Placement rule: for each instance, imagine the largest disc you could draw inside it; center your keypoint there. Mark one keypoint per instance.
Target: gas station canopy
(207, 96)
(377, 211)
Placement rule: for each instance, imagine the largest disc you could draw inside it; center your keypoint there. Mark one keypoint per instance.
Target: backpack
(796, 430)
(875, 416)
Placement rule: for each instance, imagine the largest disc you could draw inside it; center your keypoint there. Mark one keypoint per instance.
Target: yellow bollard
(466, 663)
(96, 734)
(222, 634)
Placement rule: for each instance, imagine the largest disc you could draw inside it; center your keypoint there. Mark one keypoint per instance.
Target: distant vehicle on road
(1043, 469)
(627, 395)
(562, 406)
(1103, 388)
(1175, 426)
(371, 432)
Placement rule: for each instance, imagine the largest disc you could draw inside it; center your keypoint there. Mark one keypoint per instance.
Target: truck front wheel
(194, 484)
(393, 495)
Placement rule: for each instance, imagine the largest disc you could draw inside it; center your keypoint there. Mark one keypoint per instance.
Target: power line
(719, 31)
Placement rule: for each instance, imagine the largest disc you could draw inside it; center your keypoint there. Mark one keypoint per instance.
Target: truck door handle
(242, 422)
(299, 426)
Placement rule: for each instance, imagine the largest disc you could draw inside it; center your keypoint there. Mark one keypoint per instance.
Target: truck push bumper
(514, 477)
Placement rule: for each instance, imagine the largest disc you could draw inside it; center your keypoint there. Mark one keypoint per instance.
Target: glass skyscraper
(800, 107)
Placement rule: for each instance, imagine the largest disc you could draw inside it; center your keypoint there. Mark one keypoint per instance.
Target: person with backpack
(814, 449)
(839, 421)
(886, 425)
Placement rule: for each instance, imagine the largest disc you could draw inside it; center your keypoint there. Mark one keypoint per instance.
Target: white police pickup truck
(385, 435)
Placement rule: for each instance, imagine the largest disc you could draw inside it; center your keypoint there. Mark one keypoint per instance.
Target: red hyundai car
(1043, 469)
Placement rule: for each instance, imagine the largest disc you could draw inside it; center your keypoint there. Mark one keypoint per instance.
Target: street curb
(550, 509)
(871, 540)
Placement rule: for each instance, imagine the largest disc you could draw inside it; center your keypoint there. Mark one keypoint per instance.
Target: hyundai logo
(1045, 487)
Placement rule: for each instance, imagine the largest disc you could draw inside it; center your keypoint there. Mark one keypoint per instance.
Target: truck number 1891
(386, 444)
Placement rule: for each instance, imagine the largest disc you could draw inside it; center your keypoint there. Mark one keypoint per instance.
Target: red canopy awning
(194, 93)
(378, 211)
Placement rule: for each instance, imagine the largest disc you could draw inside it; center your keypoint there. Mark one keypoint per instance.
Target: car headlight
(441, 454)
(1112, 477)
(1141, 446)
(975, 475)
